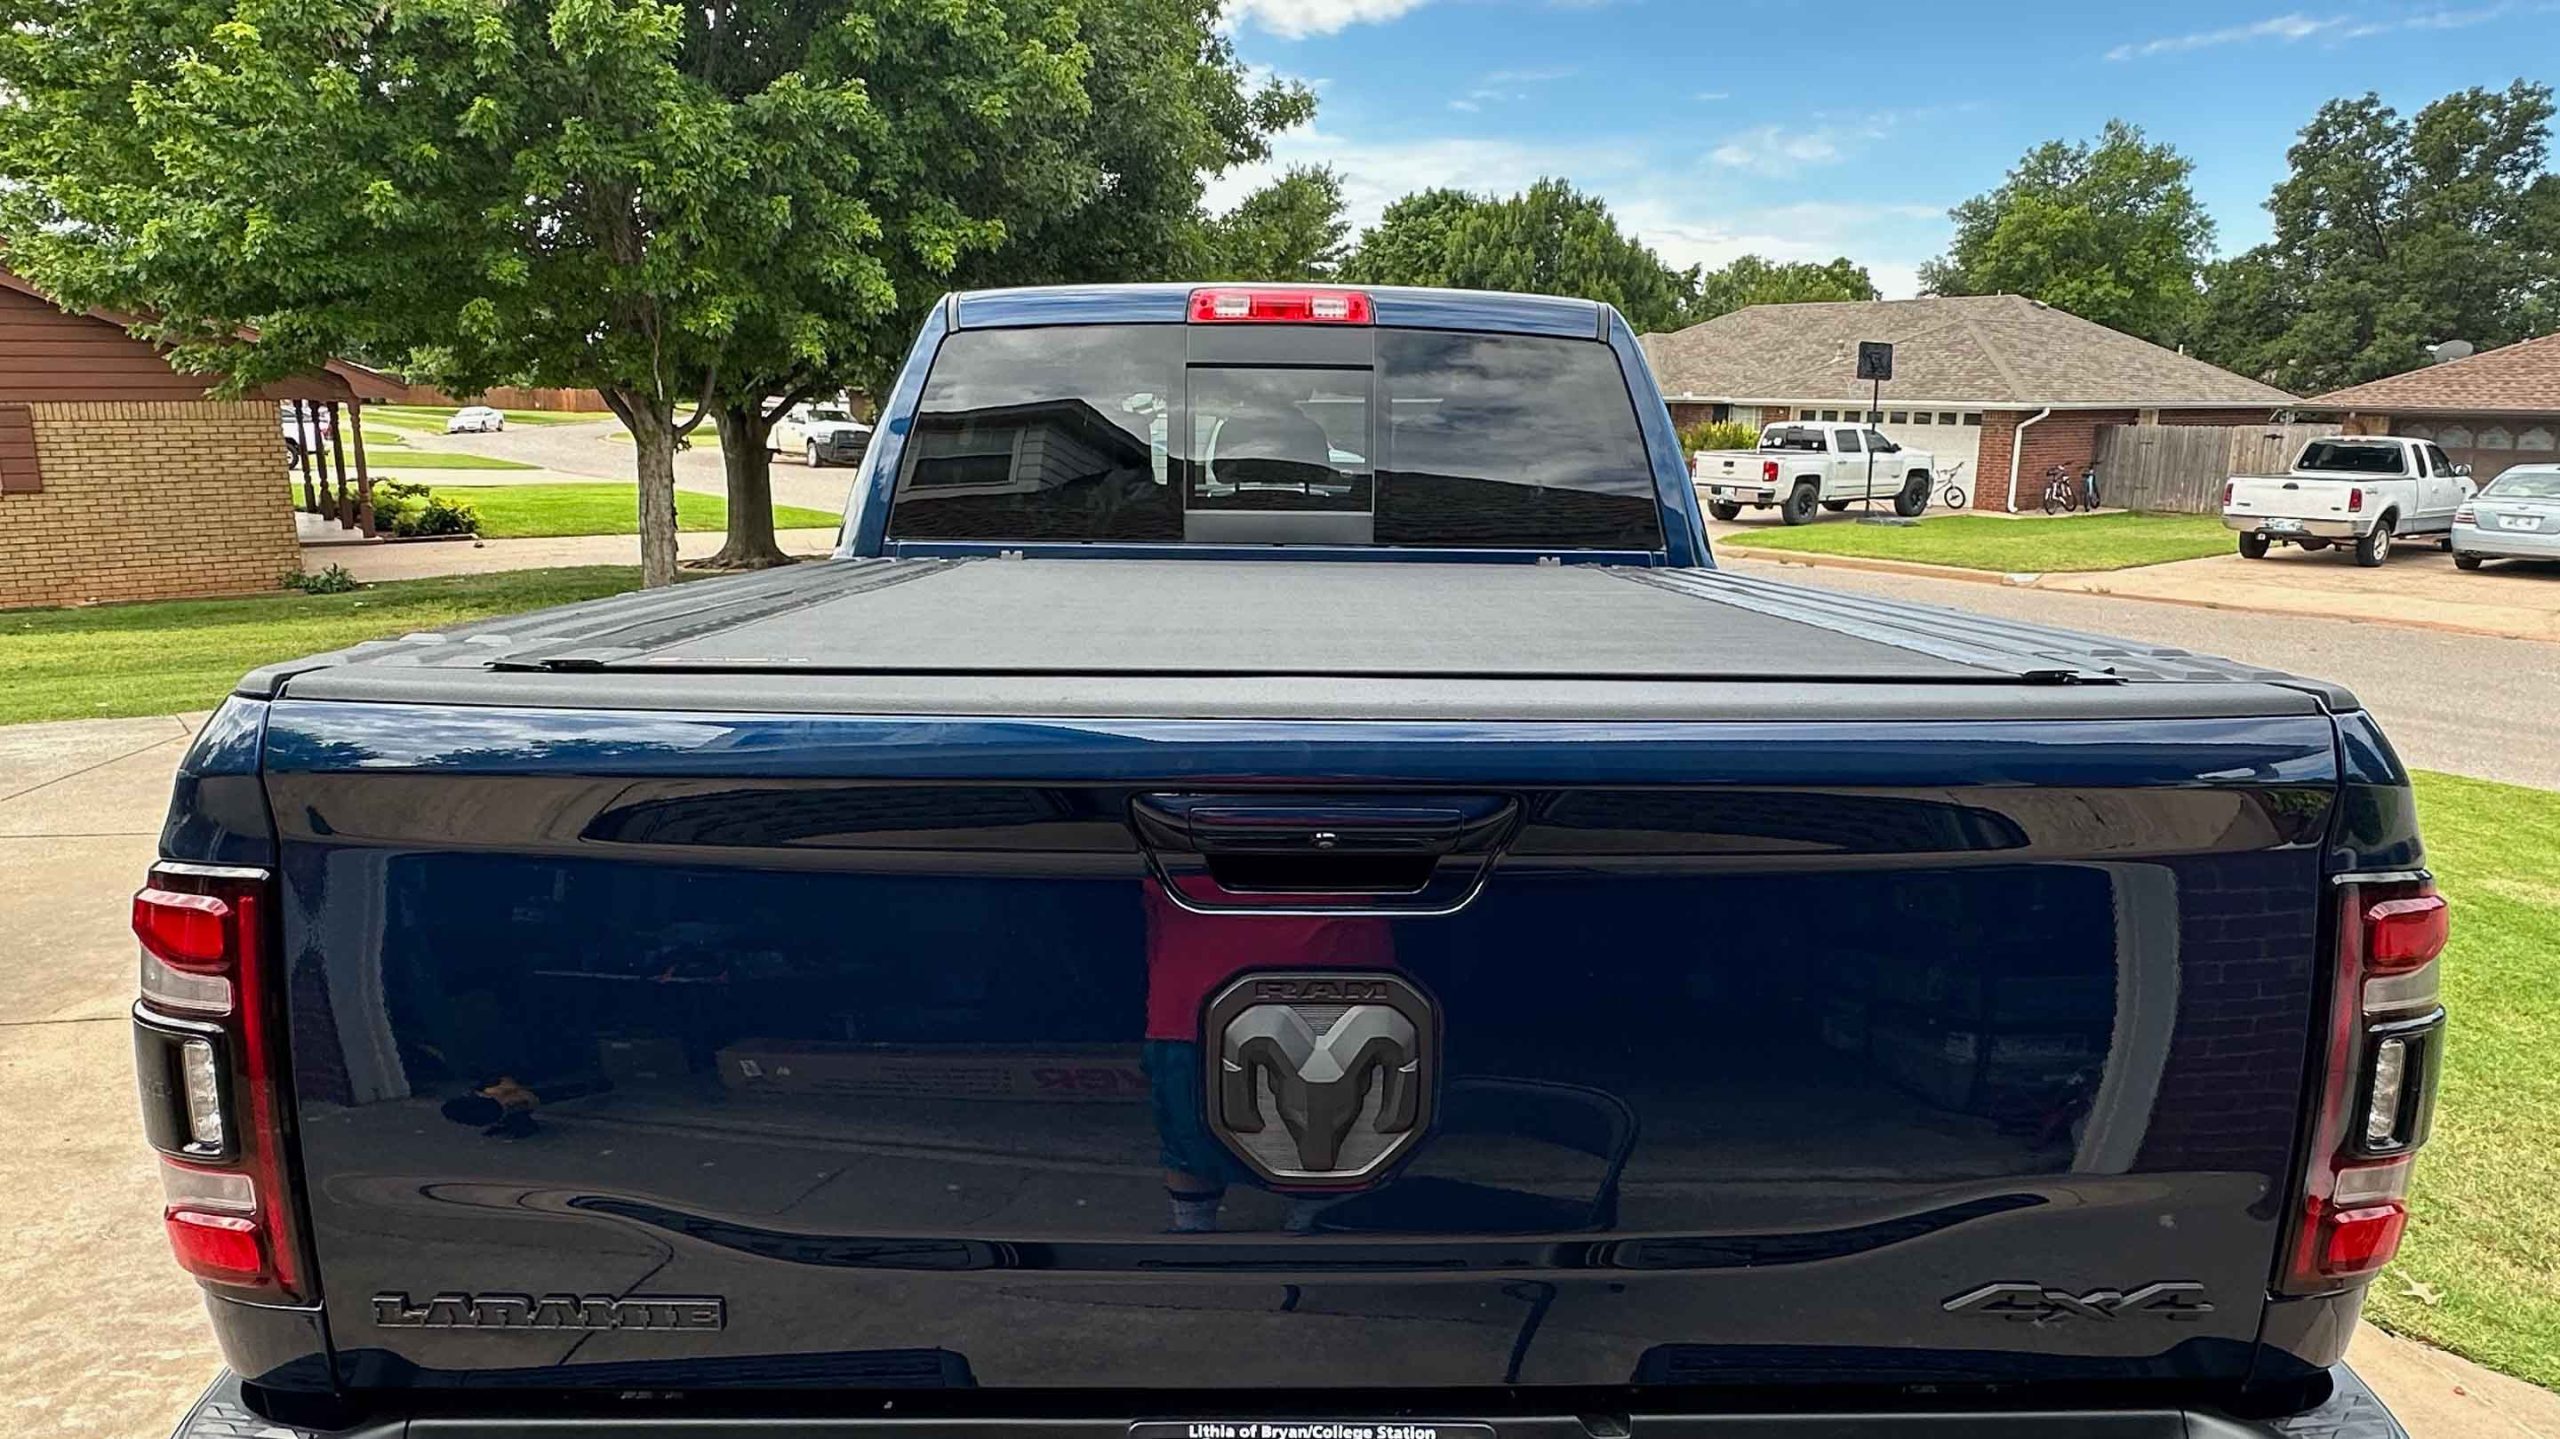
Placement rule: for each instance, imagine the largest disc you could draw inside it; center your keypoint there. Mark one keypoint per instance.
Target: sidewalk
(421, 559)
(102, 1338)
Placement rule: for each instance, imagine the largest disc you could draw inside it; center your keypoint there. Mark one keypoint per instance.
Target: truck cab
(1799, 464)
(2358, 492)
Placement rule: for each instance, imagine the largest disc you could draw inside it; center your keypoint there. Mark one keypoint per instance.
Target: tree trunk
(653, 433)
(748, 467)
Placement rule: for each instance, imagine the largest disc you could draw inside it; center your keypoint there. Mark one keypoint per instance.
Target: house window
(2496, 438)
(1948, 417)
(2454, 437)
(2415, 432)
(1919, 417)
(1806, 415)
(2536, 438)
(1831, 415)
(1900, 417)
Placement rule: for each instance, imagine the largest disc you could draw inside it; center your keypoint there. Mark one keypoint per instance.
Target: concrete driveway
(2418, 587)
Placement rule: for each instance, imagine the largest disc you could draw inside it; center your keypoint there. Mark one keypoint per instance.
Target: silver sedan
(2517, 516)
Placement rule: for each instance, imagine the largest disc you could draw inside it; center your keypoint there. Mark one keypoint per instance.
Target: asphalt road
(2460, 703)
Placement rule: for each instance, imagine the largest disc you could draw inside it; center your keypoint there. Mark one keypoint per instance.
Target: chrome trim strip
(210, 871)
(2383, 876)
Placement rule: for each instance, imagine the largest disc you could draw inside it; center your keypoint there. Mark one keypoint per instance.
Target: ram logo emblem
(1321, 1080)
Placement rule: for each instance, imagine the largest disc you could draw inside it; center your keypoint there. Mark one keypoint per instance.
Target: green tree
(691, 208)
(2393, 234)
(2110, 231)
(1410, 243)
(1549, 240)
(1290, 229)
(1751, 280)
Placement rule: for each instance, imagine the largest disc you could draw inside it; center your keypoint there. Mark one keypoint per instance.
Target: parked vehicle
(1801, 463)
(1273, 876)
(822, 433)
(2368, 491)
(475, 420)
(300, 430)
(2515, 516)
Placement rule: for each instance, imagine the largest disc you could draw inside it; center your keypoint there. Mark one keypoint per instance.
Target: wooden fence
(508, 397)
(2180, 468)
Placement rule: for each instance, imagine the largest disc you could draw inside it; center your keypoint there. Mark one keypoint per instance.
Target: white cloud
(1297, 19)
(1715, 94)
(2287, 28)
(1775, 150)
(2293, 28)
(1687, 213)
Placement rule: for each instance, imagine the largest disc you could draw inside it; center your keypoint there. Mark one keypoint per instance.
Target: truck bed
(1255, 639)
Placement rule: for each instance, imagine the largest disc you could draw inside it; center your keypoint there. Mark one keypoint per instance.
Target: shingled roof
(2522, 378)
(1974, 351)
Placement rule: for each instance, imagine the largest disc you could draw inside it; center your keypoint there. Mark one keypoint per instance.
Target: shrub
(332, 581)
(1718, 435)
(409, 509)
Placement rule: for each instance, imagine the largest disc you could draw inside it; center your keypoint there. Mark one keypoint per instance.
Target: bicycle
(2059, 492)
(1956, 496)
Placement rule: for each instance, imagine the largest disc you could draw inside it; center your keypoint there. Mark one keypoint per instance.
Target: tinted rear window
(1116, 433)
(2348, 458)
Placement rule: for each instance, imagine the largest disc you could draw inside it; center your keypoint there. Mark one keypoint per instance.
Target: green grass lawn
(523, 512)
(398, 460)
(1979, 542)
(170, 655)
(2484, 1237)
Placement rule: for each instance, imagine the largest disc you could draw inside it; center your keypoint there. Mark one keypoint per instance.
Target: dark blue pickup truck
(1272, 890)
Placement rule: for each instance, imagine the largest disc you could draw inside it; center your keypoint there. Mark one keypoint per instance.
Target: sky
(1803, 131)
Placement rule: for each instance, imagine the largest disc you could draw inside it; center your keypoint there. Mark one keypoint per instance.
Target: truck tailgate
(688, 1045)
(2290, 497)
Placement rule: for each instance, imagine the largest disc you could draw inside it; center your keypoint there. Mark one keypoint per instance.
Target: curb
(1815, 561)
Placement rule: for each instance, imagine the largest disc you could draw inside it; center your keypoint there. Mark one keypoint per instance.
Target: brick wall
(2068, 438)
(149, 499)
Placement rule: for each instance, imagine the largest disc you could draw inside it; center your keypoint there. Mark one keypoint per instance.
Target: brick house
(1999, 387)
(2489, 411)
(121, 480)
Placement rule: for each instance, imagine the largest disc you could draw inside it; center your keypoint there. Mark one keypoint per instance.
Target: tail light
(208, 1057)
(2355, 499)
(2227, 488)
(2377, 1083)
(1272, 306)
(1769, 471)
(2466, 515)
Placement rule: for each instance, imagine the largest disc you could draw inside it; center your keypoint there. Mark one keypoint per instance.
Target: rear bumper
(2275, 528)
(2350, 1412)
(2506, 544)
(1740, 494)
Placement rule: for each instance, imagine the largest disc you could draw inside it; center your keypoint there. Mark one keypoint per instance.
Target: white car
(822, 433)
(2355, 491)
(1801, 464)
(475, 420)
(2515, 516)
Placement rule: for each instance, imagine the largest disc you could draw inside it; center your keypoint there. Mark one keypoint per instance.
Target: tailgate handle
(1400, 854)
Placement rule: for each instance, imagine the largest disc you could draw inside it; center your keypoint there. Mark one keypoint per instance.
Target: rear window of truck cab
(2354, 457)
(1276, 435)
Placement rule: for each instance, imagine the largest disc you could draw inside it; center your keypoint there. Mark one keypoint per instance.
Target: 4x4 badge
(2042, 1304)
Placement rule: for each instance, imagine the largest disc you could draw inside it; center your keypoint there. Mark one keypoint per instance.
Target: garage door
(2490, 445)
(1951, 443)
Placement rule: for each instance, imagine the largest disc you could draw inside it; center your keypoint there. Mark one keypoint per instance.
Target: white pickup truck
(2367, 491)
(1800, 464)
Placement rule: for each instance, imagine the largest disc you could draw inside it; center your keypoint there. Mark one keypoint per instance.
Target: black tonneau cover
(1173, 636)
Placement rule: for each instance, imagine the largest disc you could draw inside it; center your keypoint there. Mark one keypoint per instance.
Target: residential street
(2465, 704)
(595, 449)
